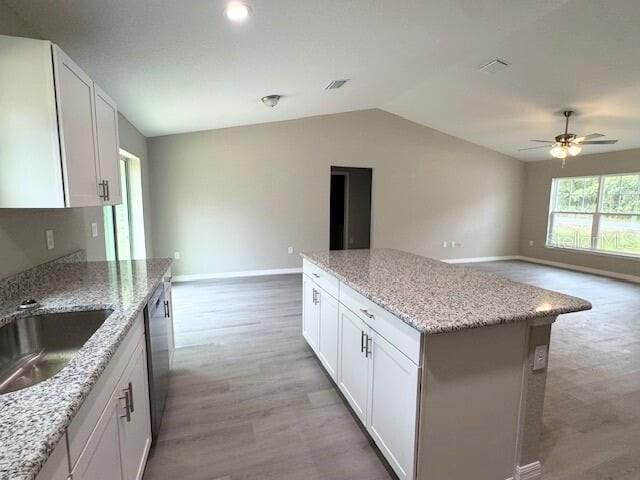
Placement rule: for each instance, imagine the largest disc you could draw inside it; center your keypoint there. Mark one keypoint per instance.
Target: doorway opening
(350, 208)
(124, 223)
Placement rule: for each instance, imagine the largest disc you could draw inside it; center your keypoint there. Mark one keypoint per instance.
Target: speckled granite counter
(33, 420)
(436, 297)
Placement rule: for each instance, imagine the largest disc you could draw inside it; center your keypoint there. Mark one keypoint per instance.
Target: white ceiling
(177, 66)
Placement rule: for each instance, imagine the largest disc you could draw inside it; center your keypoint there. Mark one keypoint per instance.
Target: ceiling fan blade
(543, 141)
(600, 142)
(588, 137)
(533, 148)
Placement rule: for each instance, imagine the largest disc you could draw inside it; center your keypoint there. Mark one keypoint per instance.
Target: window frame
(596, 216)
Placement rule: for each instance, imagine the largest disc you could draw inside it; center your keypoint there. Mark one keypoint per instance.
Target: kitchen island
(444, 365)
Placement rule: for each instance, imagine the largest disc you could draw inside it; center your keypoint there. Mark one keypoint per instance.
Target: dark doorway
(350, 208)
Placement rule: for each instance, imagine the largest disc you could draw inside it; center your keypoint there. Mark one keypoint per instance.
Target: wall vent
(336, 84)
(494, 66)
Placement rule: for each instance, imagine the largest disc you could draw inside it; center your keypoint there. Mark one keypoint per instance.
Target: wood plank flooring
(248, 400)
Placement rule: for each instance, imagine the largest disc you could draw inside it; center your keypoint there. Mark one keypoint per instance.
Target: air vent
(336, 84)
(494, 66)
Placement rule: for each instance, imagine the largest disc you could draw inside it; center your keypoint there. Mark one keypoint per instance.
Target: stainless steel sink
(35, 348)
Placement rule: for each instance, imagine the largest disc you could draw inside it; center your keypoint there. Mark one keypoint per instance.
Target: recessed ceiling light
(237, 11)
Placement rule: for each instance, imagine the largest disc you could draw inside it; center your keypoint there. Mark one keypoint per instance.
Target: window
(599, 213)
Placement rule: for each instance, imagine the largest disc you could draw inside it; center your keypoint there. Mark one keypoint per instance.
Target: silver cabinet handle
(103, 187)
(316, 294)
(130, 392)
(366, 312)
(167, 312)
(108, 197)
(362, 341)
(315, 275)
(368, 347)
(127, 406)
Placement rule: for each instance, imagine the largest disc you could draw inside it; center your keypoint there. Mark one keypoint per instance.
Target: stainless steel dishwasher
(156, 333)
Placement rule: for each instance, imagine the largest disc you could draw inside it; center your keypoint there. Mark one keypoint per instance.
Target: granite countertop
(33, 420)
(437, 297)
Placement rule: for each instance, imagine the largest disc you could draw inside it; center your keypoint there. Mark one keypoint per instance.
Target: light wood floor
(248, 400)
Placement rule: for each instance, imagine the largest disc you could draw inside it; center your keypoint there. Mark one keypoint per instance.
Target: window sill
(622, 256)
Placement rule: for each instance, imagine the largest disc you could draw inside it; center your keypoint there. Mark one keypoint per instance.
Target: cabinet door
(57, 465)
(310, 312)
(108, 146)
(393, 388)
(100, 460)
(74, 97)
(353, 364)
(135, 437)
(328, 334)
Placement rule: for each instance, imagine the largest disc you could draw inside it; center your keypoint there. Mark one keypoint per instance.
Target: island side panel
(534, 385)
(470, 403)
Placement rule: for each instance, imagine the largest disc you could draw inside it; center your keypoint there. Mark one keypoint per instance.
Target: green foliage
(621, 194)
(577, 194)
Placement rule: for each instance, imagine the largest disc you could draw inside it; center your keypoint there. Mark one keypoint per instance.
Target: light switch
(540, 358)
(290, 250)
(176, 255)
(531, 243)
(51, 244)
(94, 229)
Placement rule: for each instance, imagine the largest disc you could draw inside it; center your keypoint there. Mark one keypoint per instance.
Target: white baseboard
(244, 273)
(532, 471)
(578, 268)
(480, 259)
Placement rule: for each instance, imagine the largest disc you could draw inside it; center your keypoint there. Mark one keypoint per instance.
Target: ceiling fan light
(559, 151)
(574, 150)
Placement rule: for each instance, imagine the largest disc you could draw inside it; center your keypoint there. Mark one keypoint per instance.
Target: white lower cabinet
(310, 314)
(354, 363)
(392, 404)
(377, 374)
(328, 332)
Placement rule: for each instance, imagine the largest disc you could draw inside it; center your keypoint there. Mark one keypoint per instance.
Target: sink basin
(35, 348)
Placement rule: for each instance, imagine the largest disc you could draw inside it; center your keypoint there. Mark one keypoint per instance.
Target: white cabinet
(393, 382)
(57, 466)
(135, 423)
(101, 459)
(328, 332)
(374, 359)
(120, 442)
(320, 324)
(310, 314)
(58, 131)
(108, 146)
(354, 362)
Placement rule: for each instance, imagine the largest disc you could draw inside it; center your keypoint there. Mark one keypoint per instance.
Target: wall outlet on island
(290, 250)
(176, 255)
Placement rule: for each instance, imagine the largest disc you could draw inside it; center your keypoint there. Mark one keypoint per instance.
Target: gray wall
(22, 237)
(234, 199)
(537, 192)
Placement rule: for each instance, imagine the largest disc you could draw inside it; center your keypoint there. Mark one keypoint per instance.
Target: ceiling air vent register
(494, 66)
(336, 84)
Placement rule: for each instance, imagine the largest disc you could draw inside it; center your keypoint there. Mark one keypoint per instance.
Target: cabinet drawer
(87, 417)
(326, 281)
(402, 336)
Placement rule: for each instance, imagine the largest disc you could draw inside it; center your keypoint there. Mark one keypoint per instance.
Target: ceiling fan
(569, 144)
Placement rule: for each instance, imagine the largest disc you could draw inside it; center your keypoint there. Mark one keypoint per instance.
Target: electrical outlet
(176, 255)
(540, 358)
(445, 244)
(290, 250)
(51, 244)
(531, 243)
(94, 229)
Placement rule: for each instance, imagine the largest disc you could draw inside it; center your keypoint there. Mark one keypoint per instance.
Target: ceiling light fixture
(271, 100)
(237, 11)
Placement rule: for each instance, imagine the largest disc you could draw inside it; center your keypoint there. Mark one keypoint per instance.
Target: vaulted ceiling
(177, 66)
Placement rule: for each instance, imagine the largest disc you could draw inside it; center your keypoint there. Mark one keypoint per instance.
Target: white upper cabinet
(58, 135)
(108, 147)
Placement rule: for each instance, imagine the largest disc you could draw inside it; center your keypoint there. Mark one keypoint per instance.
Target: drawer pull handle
(366, 312)
(315, 275)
